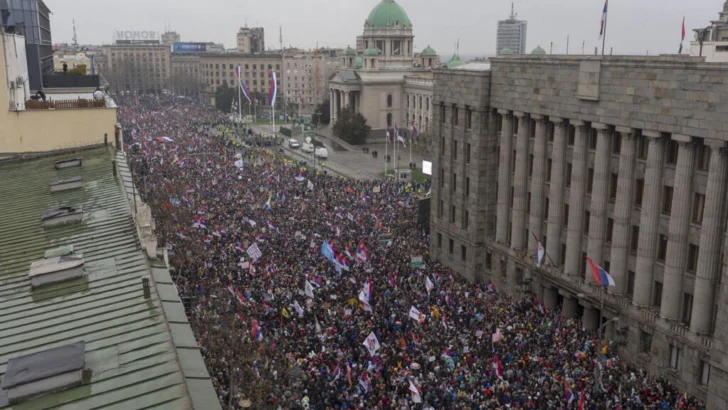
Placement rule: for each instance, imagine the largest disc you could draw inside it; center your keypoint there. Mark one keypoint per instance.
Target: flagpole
(410, 148)
(604, 37)
(386, 152)
(240, 101)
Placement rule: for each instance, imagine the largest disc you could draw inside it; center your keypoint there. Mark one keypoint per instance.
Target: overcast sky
(634, 26)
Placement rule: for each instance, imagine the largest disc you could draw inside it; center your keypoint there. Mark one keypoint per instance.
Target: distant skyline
(634, 27)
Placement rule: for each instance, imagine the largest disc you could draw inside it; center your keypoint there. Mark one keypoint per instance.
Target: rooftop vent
(68, 163)
(56, 269)
(44, 372)
(63, 215)
(59, 251)
(66, 183)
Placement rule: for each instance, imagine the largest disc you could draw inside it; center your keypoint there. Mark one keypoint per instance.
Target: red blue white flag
(604, 20)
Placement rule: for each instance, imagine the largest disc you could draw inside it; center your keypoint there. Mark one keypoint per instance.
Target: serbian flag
(273, 89)
(348, 373)
(540, 252)
(567, 393)
(604, 20)
(361, 252)
(337, 372)
(255, 331)
(444, 321)
(683, 29)
(601, 277)
(497, 367)
(240, 296)
(389, 136)
(242, 85)
(581, 400)
(392, 282)
(414, 129)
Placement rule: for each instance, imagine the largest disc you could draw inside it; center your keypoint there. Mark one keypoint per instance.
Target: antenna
(280, 36)
(513, 12)
(75, 38)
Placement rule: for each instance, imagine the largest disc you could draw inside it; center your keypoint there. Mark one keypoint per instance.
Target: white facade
(16, 77)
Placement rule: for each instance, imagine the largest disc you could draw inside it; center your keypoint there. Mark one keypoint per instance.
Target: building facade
(31, 19)
(219, 68)
(382, 82)
(712, 42)
(622, 159)
(511, 37)
(304, 75)
(251, 40)
(170, 37)
(137, 67)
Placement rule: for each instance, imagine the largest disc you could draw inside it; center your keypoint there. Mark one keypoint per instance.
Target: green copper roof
(349, 51)
(538, 51)
(371, 52)
(428, 51)
(358, 62)
(387, 14)
(139, 352)
(455, 61)
(506, 50)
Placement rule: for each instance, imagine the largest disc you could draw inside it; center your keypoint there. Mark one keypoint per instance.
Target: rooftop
(139, 352)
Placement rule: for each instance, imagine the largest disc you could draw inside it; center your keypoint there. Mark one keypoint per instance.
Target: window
(563, 252)
(610, 229)
(442, 113)
(703, 152)
(408, 101)
(566, 215)
(698, 207)
(613, 187)
(440, 207)
(513, 161)
(666, 199)
(455, 115)
(704, 373)
(657, 294)
(645, 342)
(589, 180)
(466, 217)
(452, 214)
(587, 216)
(468, 118)
(463, 253)
(592, 139)
(442, 177)
(467, 153)
(630, 283)
(548, 170)
(452, 246)
(530, 165)
(693, 253)
(642, 147)
(528, 206)
(546, 209)
(455, 150)
(672, 149)
(635, 240)
(661, 248)
(616, 143)
(488, 260)
(674, 357)
(389, 121)
(454, 182)
(687, 308)
(572, 135)
(467, 185)
(639, 188)
(389, 101)
(442, 145)
(568, 175)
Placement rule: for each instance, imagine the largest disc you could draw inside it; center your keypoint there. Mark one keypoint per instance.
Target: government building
(621, 159)
(388, 82)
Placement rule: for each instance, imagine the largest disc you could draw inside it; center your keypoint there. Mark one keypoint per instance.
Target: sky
(634, 26)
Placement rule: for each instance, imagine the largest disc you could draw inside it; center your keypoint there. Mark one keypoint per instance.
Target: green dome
(387, 14)
(506, 51)
(371, 52)
(428, 51)
(538, 50)
(349, 51)
(455, 61)
(358, 62)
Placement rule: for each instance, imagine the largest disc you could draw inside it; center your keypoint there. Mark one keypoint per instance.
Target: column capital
(715, 145)
(599, 126)
(536, 117)
(681, 138)
(519, 114)
(577, 123)
(651, 134)
(556, 120)
(504, 112)
(623, 130)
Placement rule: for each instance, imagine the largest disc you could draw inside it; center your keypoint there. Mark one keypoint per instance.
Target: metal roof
(139, 353)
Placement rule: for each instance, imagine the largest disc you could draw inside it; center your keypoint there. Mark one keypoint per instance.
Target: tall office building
(30, 18)
(170, 37)
(511, 35)
(251, 40)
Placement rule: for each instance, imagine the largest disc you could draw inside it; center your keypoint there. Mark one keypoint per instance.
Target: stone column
(556, 192)
(649, 219)
(332, 108)
(575, 231)
(504, 177)
(623, 211)
(346, 99)
(550, 297)
(520, 187)
(711, 237)
(538, 180)
(677, 237)
(568, 310)
(600, 192)
(590, 318)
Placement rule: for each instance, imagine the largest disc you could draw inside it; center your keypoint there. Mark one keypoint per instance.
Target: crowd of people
(301, 290)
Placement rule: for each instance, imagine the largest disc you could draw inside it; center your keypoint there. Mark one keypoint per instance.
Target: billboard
(135, 35)
(189, 47)
(137, 42)
(427, 167)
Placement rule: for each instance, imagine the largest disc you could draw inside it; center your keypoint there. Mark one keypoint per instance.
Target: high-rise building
(31, 19)
(511, 37)
(251, 40)
(137, 67)
(170, 37)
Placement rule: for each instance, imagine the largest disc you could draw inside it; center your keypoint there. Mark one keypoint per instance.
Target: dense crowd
(301, 291)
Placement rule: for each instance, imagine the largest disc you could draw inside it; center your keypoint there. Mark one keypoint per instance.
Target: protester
(302, 295)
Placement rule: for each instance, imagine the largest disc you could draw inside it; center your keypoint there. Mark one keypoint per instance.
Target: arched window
(389, 119)
(389, 101)
(420, 102)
